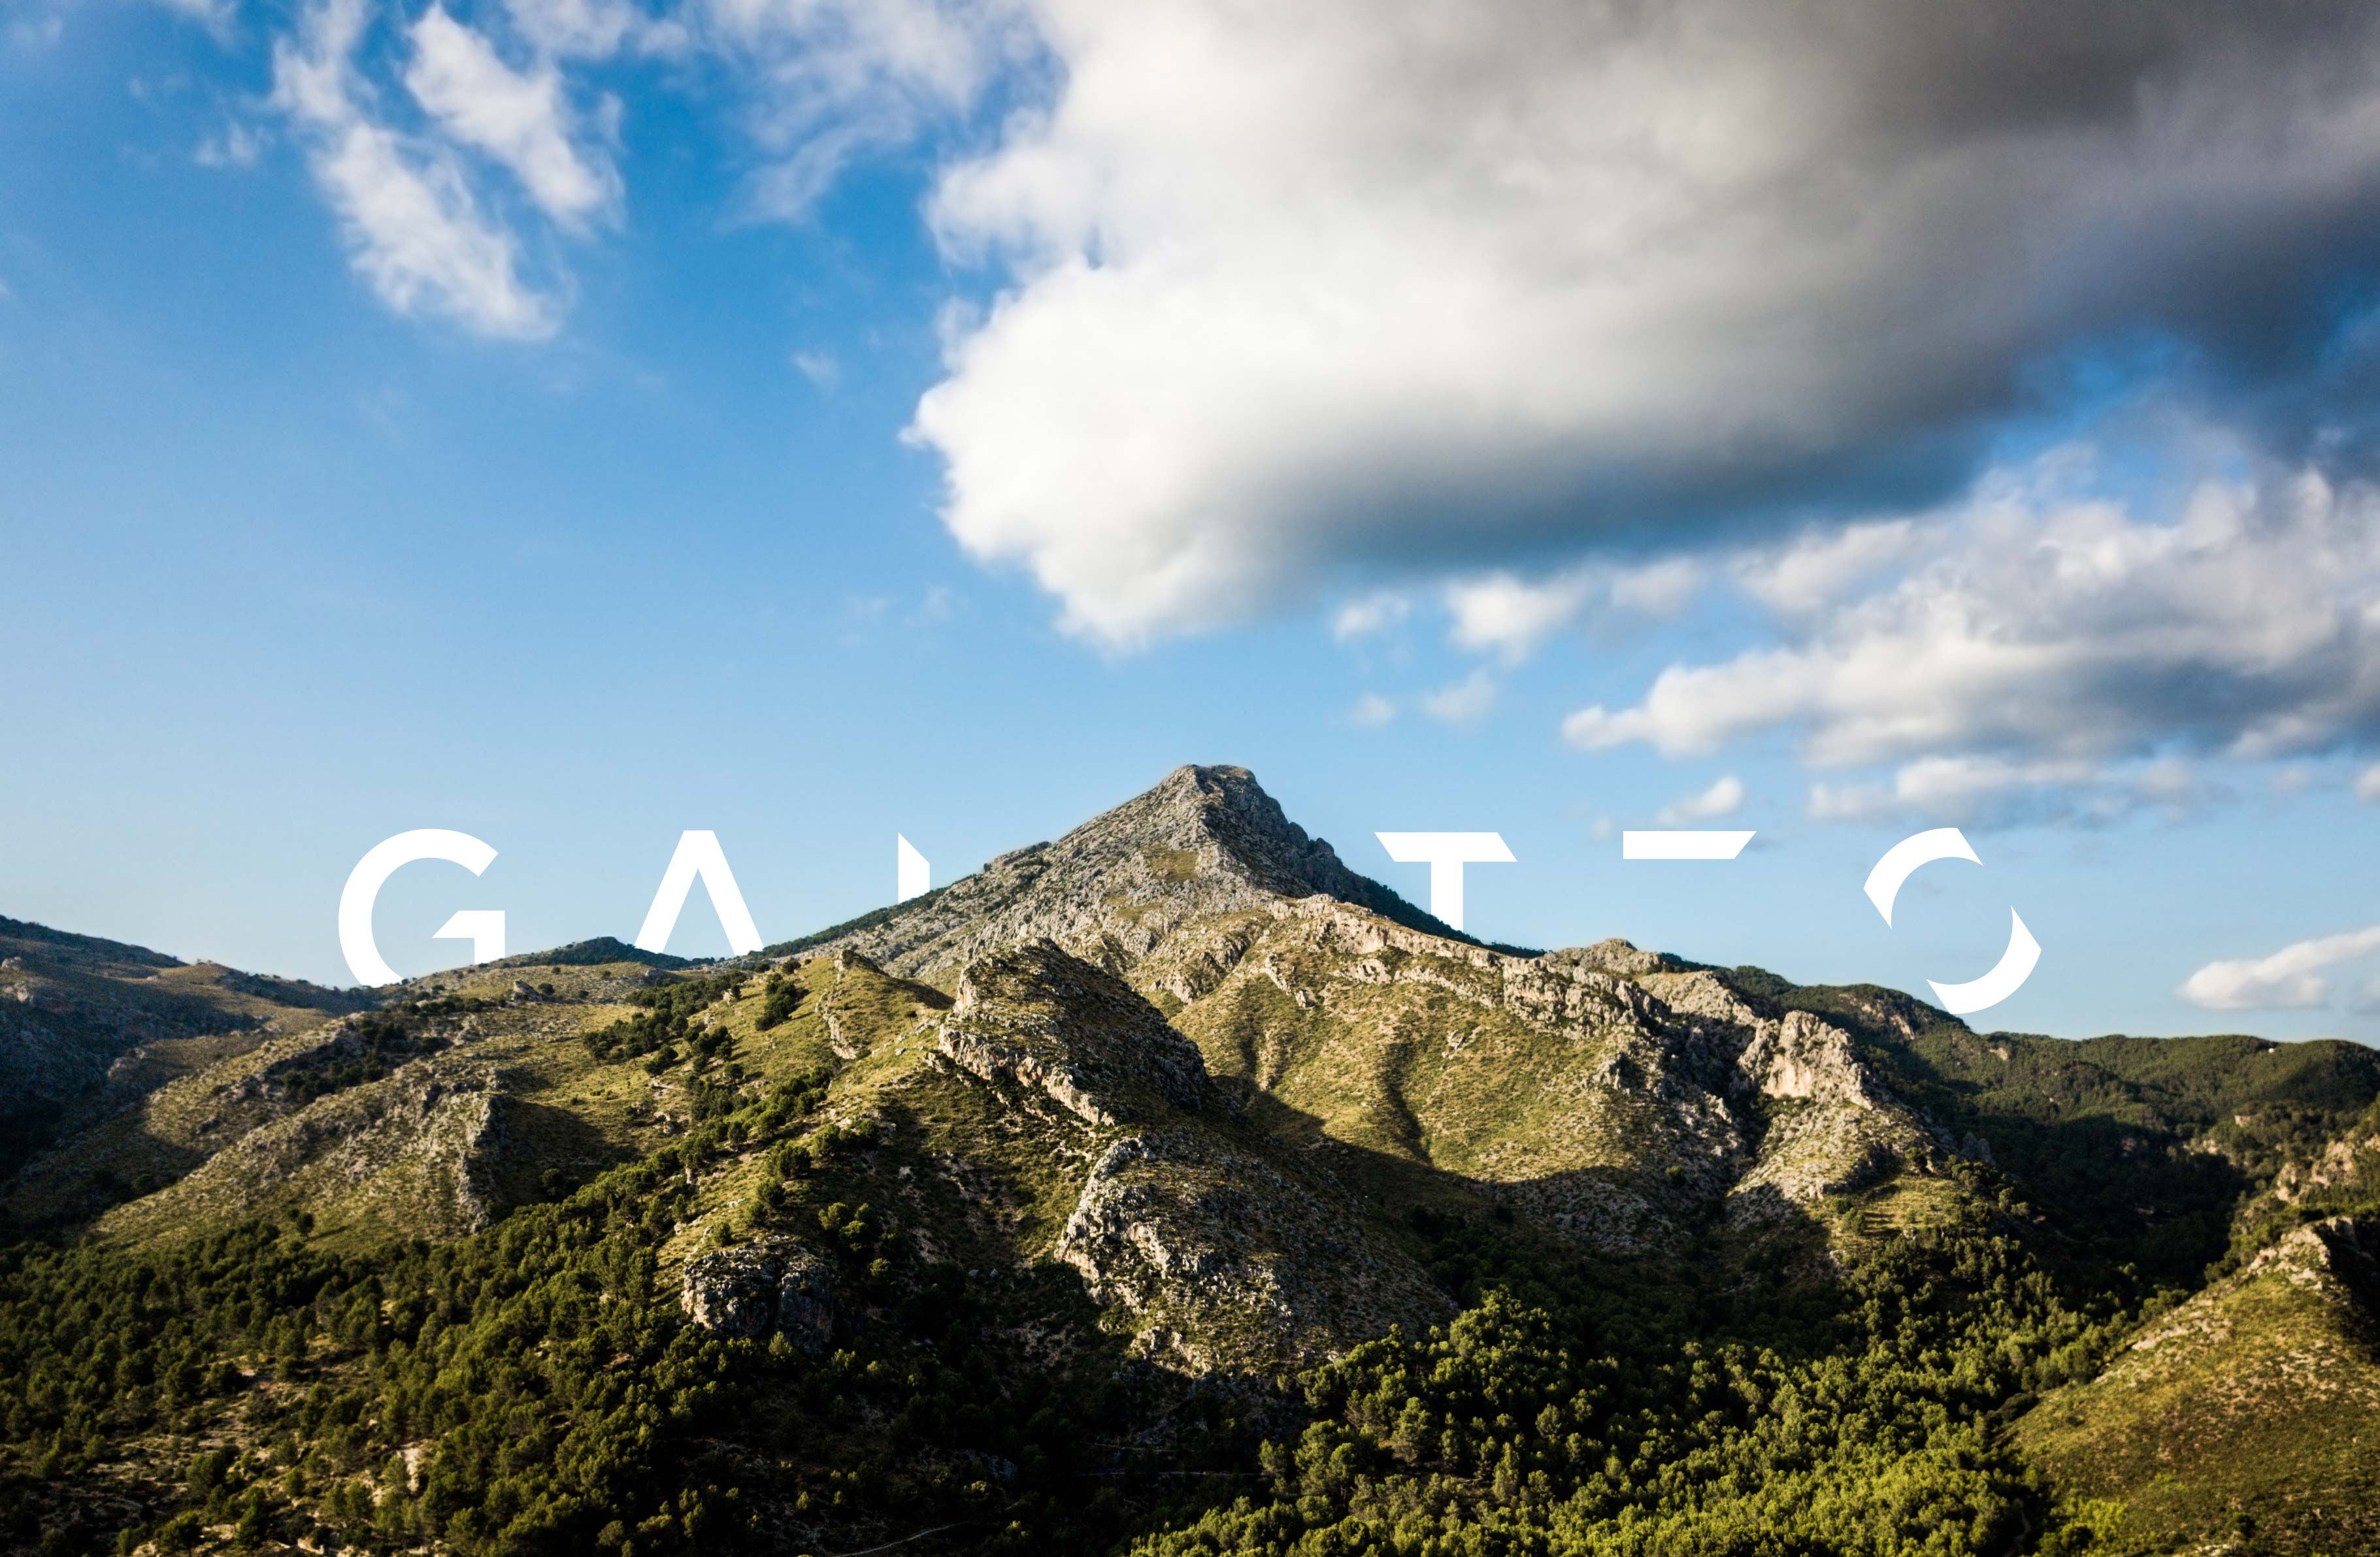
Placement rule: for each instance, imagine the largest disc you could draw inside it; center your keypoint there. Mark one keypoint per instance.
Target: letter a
(698, 854)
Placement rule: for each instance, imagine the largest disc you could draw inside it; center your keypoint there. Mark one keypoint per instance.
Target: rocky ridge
(1205, 842)
(1213, 1252)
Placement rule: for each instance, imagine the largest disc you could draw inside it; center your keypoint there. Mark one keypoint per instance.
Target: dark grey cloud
(1301, 291)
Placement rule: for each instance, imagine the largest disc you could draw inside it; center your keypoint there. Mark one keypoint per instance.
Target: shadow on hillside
(545, 1152)
(1752, 1263)
(2104, 1191)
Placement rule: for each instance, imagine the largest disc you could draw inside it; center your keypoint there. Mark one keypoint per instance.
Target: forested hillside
(1165, 1191)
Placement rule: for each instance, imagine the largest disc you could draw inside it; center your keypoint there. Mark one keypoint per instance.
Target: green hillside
(1160, 1193)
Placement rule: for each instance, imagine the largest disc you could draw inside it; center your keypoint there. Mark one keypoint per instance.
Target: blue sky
(808, 422)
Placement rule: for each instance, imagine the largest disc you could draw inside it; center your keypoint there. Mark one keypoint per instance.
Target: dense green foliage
(565, 1406)
(534, 1357)
(532, 1390)
(1572, 1409)
(667, 1019)
(778, 1004)
(535, 1388)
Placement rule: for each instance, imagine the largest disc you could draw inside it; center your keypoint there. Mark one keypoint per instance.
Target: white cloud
(1371, 711)
(1814, 569)
(520, 118)
(1722, 799)
(592, 29)
(37, 29)
(2062, 628)
(2288, 979)
(830, 79)
(1302, 287)
(938, 604)
(1368, 614)
(1973, 790)
(1657, 589)
(1503, 614)
(1466, 702)
(2367, 783)
(819, 367)
(414, 229)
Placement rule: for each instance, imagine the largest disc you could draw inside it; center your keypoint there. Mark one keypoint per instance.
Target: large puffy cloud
(1323, 287)
(2068, 631)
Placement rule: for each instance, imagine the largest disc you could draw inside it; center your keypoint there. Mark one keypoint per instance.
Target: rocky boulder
(773, 1286)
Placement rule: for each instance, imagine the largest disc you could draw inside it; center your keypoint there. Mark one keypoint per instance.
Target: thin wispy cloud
(416, 230)
(520, 118)
(236, 146)
(1466, 702)
(1997, 791)
(1369, 614)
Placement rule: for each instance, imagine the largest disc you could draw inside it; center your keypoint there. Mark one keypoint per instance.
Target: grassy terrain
(2249, 1416)
(1346, 1239)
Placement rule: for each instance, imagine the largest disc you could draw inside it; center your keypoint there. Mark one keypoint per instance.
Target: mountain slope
(1204, 842)
(1167, 1183)
(90, 1027)
(2244, 1419)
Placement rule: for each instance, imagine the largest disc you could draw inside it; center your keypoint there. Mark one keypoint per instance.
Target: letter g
(485, 927)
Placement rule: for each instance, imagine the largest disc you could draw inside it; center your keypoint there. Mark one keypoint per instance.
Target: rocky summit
(1207, 841)
(1167, 1187)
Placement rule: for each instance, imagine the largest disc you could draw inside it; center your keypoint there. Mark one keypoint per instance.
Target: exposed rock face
(1038, 1017)
(1223, 1261)
(1636, 1085)
(2342, 1248)
(1801, 1057)
(1213, 1253)
(2352, 1160)
(62, 1026)
(775, 1286)
(1609, 1091)
(1206, 841)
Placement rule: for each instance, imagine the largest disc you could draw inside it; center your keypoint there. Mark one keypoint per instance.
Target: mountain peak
(1225, 816)
(1204, 840)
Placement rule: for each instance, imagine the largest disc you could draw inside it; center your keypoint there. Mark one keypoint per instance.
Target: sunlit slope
(2247, 1419)
(1564, 1085)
